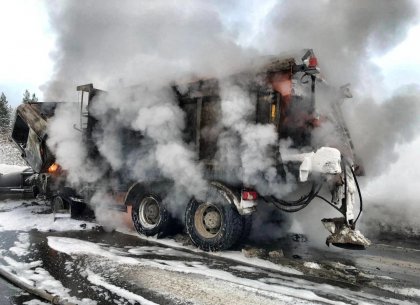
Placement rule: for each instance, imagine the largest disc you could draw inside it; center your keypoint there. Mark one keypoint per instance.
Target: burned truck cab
(29, 133)
(46, 179)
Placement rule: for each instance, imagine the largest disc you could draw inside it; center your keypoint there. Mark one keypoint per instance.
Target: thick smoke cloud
(344, 34)
(118, 44)
(379, 127)
(131, 42)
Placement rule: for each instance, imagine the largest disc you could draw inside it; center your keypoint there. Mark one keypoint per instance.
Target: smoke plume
(117, 45)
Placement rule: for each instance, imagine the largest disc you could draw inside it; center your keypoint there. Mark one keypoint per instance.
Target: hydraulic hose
(296, 205)
(360, 194)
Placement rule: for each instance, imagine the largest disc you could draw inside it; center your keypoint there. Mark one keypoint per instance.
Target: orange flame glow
(53, 168)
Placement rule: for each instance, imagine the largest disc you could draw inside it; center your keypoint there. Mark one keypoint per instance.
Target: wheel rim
(208, 220)
(149, 212)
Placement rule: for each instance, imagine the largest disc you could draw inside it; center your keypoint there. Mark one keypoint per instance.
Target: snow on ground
(159, 251)
(312, 265)
(21, 245)
(75, 246)
(7, 169)
(17, 216)
(72, 246)
(35, 302)
(233, 255)
(409, 292)
(34, 275)
(99, 281)
(9, 154)
(179, 279)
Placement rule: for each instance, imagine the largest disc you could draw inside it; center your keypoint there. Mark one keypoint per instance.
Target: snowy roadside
(7, 169)
(23, 216)
(9, 154)
(165, 269)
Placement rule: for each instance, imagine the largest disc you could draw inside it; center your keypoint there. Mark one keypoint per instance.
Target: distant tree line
(5, 114)
(28, 99)
(6, 111)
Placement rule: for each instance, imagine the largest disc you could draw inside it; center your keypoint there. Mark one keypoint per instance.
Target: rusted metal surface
(30, 132)
(344, 236)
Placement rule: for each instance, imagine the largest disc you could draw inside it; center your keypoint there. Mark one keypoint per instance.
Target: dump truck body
(273, 87)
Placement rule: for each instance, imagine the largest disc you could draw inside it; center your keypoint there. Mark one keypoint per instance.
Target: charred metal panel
(210, 127)
(191, 116)
(30, 114)
(30, 133)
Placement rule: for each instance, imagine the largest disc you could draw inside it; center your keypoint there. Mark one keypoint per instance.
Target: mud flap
(343, 236)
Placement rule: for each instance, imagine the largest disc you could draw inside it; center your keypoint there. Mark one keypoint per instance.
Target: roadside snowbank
(9, 154)
(18, 216)
(7, 169)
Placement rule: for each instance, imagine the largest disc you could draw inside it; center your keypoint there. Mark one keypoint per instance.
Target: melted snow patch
(14, 216)
(21, 245)
(233, 255)
(409, 292)
(75, 246)
(147, 250)
(245, 269)
(311, 265)
(286, 289)
(35, 302)
(34, 275)
(132, 297)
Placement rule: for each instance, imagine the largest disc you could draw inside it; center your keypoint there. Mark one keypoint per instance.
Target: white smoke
(247, 144)
(68, 146)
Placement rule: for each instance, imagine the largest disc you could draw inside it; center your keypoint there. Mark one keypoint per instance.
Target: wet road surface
(98, 267)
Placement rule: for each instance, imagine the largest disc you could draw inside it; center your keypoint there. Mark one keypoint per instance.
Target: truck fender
(138, 189)
(231, 196)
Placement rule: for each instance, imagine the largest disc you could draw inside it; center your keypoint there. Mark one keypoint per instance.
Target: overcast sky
(26, 44)
(28, 41)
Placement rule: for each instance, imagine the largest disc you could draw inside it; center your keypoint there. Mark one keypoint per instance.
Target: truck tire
(150, 216)
(214, 224)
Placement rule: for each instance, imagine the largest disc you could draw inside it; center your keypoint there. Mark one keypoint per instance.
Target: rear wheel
(213, 224)
(150, 216)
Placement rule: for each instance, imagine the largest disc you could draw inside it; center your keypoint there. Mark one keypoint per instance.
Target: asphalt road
(92, 266)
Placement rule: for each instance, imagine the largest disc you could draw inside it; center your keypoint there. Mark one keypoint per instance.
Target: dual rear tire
(213, 224)
(150, 216)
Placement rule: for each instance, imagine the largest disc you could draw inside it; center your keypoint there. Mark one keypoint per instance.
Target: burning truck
(283, 96)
